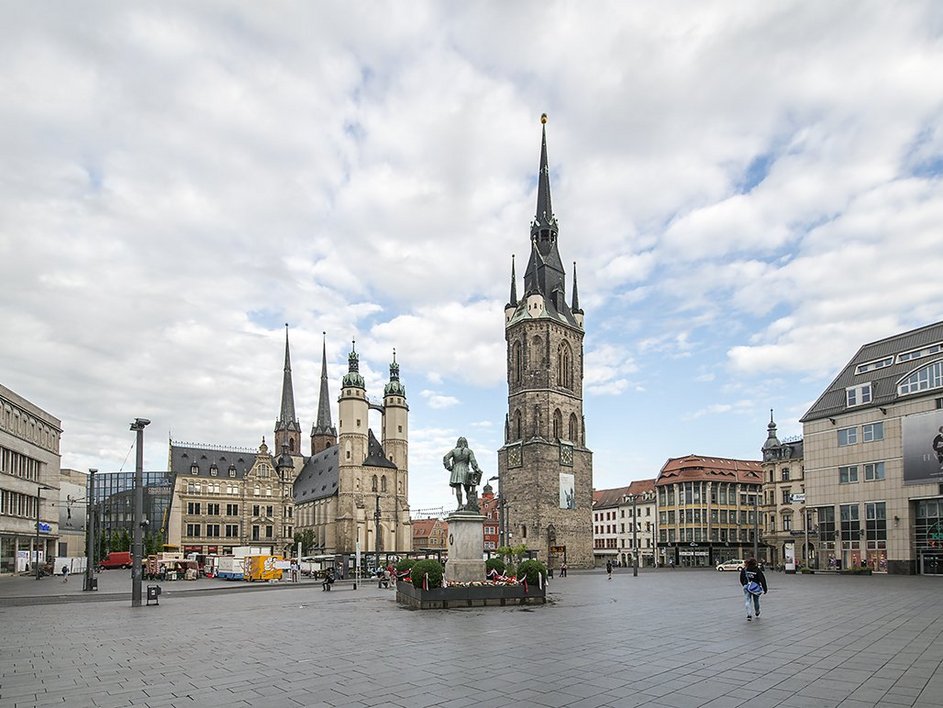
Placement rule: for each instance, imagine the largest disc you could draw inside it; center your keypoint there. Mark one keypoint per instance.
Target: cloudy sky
(751, 192)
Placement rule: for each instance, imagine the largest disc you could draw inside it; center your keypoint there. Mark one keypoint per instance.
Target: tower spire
(323, 432)
(513, 301)
(287, 429)
(545, 275)
(544, 213)
(576, 294)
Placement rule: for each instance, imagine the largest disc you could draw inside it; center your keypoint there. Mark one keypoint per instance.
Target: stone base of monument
(476, 596)
(465, 563)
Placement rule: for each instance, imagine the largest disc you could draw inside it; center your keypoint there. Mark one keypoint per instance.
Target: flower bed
(506, 591)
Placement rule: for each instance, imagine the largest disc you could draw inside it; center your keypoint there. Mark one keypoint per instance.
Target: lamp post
(138, 549)
(635, 535)
(89, 532)
(756, 526)
(376, 520)
(39, 488)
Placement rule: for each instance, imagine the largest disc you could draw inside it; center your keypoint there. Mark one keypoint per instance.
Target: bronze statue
(465, 474)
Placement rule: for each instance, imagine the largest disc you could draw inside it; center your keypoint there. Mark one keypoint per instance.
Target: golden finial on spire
(543, 119)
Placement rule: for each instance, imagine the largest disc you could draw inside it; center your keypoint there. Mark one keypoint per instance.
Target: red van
(117, 559)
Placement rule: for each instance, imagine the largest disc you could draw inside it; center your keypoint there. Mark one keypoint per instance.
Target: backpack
(753, 586)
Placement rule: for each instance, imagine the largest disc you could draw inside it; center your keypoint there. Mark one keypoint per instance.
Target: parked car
(117, 559)
(733, 564)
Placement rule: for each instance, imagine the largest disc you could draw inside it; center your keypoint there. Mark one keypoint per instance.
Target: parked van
(117, 559)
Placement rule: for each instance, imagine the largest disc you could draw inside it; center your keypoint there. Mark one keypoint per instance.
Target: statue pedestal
(465, 563)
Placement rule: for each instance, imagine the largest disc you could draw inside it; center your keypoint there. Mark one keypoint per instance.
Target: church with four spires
(351, 490)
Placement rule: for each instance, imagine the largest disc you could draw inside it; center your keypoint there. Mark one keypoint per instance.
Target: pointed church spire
(544, 213)
(576, 293)
(513, 301)
(545, 274)
(287, 429)
(323, 432)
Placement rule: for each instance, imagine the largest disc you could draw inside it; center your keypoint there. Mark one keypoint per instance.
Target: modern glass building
(112, 495)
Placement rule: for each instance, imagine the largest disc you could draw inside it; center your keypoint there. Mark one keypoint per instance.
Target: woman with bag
(754, 585)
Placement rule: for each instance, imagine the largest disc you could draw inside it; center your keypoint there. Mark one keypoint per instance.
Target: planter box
(479, 596)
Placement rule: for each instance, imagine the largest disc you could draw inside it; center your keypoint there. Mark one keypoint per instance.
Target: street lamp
(39, 488)
(376, 519)
(90, 533)
(501, 503)
(635, 535)
(756, 526)
(138, 426)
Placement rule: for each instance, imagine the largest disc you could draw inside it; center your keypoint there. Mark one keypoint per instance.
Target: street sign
(797, 498)
(44, 527)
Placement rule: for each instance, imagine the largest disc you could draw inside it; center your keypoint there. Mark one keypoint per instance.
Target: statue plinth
(465, 563)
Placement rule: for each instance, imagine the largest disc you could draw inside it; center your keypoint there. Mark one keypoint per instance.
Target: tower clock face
(566, 455)
(514, 456)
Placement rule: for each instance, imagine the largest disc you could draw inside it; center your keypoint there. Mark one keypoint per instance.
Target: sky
(751, 192)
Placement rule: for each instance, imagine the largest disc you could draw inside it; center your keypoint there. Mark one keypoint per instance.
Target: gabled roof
(184, 456)
(642, 486)
(608, 498)
(884, 379)
(692, 468)
(376, 457)
(318, 478)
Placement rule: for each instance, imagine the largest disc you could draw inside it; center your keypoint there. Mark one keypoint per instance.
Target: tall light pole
(90, 532)
(138, 549)
(756, 526)
(635, 535)
(376, 519)
(39, 489)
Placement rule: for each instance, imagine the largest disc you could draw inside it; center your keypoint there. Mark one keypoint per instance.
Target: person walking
(563, 570)
(609, 568)
(65, 573)
(753, 582)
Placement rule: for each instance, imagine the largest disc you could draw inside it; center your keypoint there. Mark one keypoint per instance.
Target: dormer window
(214, 470)
(232, 470)
(927, 377)
(194, 468)
(858, 395)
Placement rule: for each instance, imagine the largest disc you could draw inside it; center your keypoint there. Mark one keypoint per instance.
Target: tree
(307, 540)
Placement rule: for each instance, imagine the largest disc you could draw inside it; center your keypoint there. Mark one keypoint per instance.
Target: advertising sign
(923, 447)
(789, 556)
(567, 491)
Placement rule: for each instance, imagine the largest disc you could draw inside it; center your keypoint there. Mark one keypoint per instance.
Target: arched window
(557, 423)
(383, 483)
(574, 430)
(517, 424)
(926, 377)
(565, 366)
(291, 444)
(523, 531)
(373, 488)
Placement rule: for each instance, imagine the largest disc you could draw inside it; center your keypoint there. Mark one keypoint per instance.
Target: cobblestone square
(666, 638)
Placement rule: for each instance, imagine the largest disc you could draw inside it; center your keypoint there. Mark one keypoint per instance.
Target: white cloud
(437, 401)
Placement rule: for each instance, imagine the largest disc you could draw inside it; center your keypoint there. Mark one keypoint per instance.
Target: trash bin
(153, 592)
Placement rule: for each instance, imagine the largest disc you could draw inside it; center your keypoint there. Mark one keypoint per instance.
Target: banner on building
(567, 491)
(923, 447)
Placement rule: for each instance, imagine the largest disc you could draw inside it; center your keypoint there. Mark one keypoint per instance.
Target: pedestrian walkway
(666, 638)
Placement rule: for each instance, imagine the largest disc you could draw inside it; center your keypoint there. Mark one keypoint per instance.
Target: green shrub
(405, 564)
(855, 571)
(804, 570)
(495, 564)
(510, 570)
(531, 569)
(421, 568)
